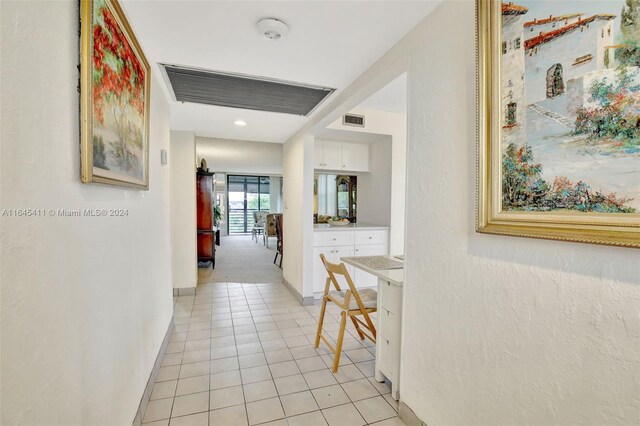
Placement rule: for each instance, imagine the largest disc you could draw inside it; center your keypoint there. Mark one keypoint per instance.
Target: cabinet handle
(357, 250)
(371, 238)
(344, 165)
(334, 239)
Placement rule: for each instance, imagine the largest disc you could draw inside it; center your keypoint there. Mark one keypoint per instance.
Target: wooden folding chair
(352, 303)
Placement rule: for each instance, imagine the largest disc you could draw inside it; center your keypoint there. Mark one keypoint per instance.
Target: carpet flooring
(239, 259)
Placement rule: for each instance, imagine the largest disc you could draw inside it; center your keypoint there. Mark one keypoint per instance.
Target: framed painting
(559, 120)
(114, 96)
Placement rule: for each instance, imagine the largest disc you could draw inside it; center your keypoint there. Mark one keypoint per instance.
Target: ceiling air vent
(353, 120)
(242, 91)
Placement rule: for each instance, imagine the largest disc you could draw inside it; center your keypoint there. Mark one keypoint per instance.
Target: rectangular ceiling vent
(242, 91)
(353, 120)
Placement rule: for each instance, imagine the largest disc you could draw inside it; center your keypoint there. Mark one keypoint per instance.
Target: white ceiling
(392, 97)
(330, 44)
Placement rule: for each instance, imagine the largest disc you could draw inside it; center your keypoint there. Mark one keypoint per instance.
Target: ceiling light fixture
(272, 28)
(240, 123)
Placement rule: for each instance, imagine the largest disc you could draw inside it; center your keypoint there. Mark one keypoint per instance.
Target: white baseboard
(305, 301)
(144, 402)
(408, 416)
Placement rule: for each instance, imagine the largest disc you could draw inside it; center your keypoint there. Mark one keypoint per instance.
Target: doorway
(555, 84)
(246, 195)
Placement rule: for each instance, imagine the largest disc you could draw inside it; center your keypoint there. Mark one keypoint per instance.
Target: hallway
(241, 259)
(243, 354)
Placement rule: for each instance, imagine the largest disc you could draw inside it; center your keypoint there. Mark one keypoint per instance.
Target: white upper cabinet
(332, 154)
(318, 154)
(341, 156)
(355, 157)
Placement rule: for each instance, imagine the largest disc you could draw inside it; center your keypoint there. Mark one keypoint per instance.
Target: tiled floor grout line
(272, 378)
(286, 318)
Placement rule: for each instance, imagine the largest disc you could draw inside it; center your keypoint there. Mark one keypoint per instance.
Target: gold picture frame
(115, 81)
(619, 229)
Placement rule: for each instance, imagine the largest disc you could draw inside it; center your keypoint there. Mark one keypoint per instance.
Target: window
(511, 114)
(246, 195)
(504, 47)
(517, 43)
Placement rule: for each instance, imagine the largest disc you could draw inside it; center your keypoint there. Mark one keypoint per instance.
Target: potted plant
(217, 215)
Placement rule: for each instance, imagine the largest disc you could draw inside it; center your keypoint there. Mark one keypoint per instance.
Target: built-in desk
(389, 324)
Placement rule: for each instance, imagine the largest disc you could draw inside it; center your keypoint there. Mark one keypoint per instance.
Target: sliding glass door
(246, 195)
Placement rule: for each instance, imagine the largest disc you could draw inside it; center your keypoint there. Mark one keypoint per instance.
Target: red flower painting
(118, 92)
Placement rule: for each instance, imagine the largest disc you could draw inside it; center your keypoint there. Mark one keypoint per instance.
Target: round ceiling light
(272, 28)
(240, 123)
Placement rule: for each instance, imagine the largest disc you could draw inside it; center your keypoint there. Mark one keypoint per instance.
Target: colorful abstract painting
(569, 111)
(116, 94)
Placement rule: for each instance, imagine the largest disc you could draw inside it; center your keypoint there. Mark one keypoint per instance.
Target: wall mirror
(334, 196)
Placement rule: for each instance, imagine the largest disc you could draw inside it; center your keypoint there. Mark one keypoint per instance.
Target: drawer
(387, 357)
(390, 297)
(371, 237)
(344, 238)
(389, 328)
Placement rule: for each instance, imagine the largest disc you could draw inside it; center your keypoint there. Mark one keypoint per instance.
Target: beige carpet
(240, 260)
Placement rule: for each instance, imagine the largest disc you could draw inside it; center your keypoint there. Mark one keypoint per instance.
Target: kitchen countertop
(351, 227)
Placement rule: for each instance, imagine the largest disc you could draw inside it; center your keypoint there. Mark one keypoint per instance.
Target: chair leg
(355, 323)
(336, 358)
(320, 322)
(275, 258)
(280, 265)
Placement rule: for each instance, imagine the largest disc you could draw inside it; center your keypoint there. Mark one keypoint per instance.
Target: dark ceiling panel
(239, 91)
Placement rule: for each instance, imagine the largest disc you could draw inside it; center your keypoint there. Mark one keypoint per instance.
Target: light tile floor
(242, 354)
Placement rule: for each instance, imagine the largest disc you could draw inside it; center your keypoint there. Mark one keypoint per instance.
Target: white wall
(394, 125)
(86, 301)
(184, 259)
(374, 188)
(298, 214)
(501, 330)
(242, 157)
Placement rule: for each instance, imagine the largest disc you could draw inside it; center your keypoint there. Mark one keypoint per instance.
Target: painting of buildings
(570, 82)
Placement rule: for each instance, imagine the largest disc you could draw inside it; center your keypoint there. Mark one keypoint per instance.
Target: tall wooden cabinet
(204, 218)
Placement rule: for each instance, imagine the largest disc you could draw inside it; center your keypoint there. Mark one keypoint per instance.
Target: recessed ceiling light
(240, 123)
(272, 28)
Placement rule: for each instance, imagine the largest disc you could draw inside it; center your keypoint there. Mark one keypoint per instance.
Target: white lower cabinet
(362, 278)
(346, 243)
(389, 332)
(333, 255)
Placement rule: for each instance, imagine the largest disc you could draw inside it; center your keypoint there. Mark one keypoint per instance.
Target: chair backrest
(260, 217)
(280, 247)
(271, 224)
(334, 269)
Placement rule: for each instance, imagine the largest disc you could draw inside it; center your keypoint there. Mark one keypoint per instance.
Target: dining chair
(259, 224)
(353, 303)
(280, 242)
